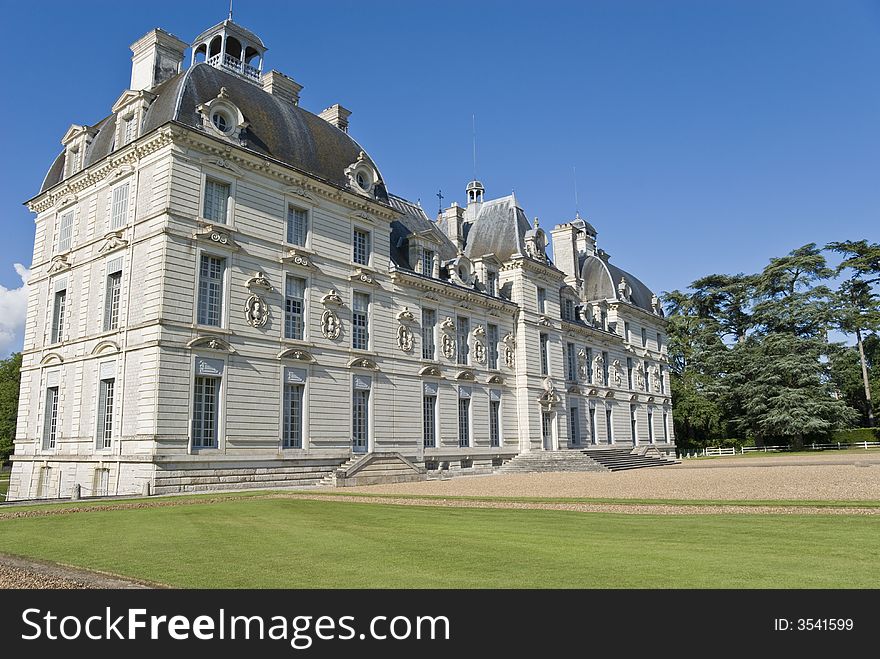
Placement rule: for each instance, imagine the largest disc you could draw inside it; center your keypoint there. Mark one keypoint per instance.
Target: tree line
(754, 356)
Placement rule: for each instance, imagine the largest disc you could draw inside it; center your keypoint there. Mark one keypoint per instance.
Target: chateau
(226, 293)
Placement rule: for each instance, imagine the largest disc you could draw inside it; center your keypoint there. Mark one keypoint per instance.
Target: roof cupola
(230, 47)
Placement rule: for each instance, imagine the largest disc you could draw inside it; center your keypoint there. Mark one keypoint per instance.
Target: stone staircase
(620, 459)
(375, 469)
(177, 479)
(546, 461)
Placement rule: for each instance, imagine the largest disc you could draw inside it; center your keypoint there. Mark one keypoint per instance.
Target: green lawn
(295, 543)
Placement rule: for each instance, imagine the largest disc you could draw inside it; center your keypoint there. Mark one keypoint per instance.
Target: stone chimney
(282, 86)
(156, 57)
(338, 116)
(565, 251)
(452, 221)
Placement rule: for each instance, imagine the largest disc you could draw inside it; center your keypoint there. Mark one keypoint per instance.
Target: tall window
(130, 131)
(571, 362)
(542, 300)
(210, 306)
(360, 321)
(294, 308)
(361, 247)
(626, 332)
(650, 425)
(111, 298)
(493, 345)
(605, 368)
(629, 372)
(594, 428)
(569, 311)
(119, 207)
(665, 426)
(590, 365)
(546, 430)
(464, 417)
(59, 306)
(105, 412)
(494, 417)
(50, 420)
(574, 423)
(545, 360)
(292, 423)
(297, 225)
(429, 324)
(609, 426)
(633, 423)
(492, 282)
(216, 201)
(662, 380)
(65, 231)
(463, 328)
(428, 262)
(604, 320)
(429, 415)
(659, 342)
(645, 377)
(206, 408)
(360, 414)
(644, 338)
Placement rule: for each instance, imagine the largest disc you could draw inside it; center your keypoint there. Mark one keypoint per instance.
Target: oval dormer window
(363, 180)
(220, 121)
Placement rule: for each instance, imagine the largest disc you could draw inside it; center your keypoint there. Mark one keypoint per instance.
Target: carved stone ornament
(655, 377)
(210, 343)
(215, 235)
(363, 362)
(618, 372)
(406, 315)
(297, 354)
(259, 280)
(360, 275)
(256, 312)
(509, 357)
(599, 369)
(508, 339)
(655, 304)
(640, 379)
(479, 352)
(447, 344)
(582, 364)
(431, 371)
(479, 330)
(544, 321)
(447, 325)
(297, 257)
(59, 263)
(550, 397)
(330, 325)
(112, 241)
(404, 338)
(331, 298)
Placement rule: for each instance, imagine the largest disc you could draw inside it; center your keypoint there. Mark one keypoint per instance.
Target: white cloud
(13, 309)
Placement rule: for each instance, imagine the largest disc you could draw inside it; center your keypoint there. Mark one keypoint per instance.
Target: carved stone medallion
(256, 312)
(330, 325)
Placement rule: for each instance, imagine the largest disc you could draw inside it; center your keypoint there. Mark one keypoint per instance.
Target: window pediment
(210, 343)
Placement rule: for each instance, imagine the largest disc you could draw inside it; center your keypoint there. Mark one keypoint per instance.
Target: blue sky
(708, 136)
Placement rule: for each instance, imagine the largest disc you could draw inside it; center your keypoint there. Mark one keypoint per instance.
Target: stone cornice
(128, 155)
(638, 312)
(450, 291)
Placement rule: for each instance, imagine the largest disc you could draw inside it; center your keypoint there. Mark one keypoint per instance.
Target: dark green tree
(858, 306)
(10, 378)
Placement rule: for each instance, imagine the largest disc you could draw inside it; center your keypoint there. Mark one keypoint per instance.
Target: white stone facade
(129, 266)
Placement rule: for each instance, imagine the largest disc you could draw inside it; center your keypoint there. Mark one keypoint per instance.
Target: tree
(10, 378)
(727, 300)
(858, 307)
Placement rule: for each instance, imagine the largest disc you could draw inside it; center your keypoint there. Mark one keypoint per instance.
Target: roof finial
(230, 10)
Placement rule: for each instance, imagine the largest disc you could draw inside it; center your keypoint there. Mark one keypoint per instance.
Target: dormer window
(74, 161)
(130, 129)
(428, 262)
(492, 283)
(221, 117)
(220, 122)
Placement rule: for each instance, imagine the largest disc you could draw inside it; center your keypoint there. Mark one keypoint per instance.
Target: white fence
(715, 451)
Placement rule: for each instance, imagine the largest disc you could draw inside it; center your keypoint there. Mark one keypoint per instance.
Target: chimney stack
(282, 86)
(452, 222)
(338, 116)
(156, 57)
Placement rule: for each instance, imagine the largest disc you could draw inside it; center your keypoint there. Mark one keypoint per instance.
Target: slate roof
(277, 129)
(499, 229)
(415, 220)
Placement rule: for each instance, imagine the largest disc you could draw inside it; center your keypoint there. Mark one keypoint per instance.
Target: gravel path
(18, 572)
(849, 482)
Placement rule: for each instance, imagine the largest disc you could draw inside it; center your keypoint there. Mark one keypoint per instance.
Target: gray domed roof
(277, 129)
(601, 280)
